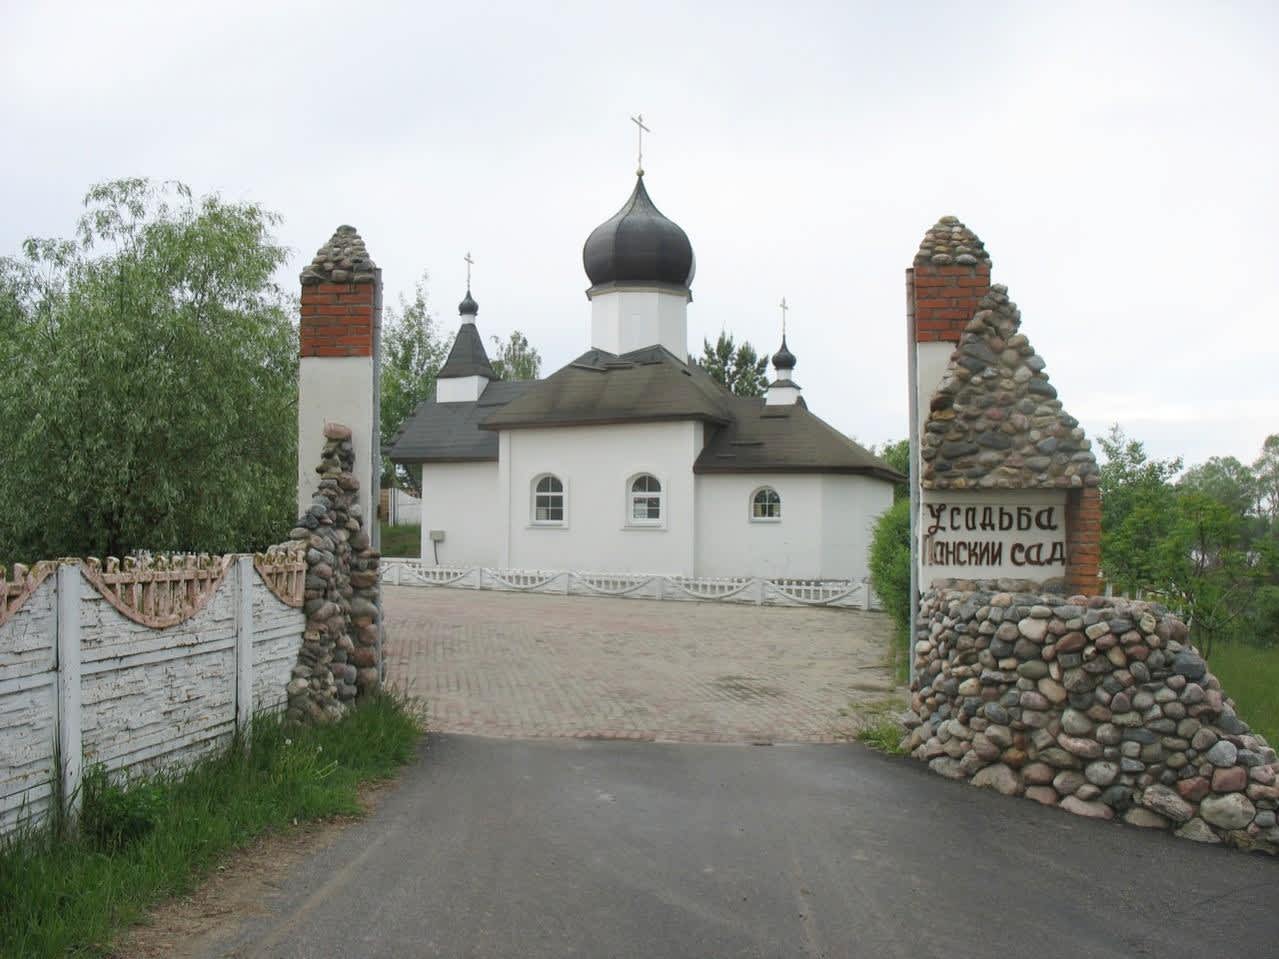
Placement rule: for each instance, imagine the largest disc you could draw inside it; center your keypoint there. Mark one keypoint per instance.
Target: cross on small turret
(784, 308)
(469, 261)
(639, 122)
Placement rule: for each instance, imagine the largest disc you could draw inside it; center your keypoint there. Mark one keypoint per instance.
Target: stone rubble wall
(340, 658)
(950, 242)
(344, 259)
(1095, 705)
(995, 421)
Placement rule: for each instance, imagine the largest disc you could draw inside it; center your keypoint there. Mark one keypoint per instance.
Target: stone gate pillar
(1003, 482)
(340, 340)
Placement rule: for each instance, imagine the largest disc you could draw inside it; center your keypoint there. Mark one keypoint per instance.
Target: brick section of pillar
(1083, 541)
(341, 298)
(945, 298)
(338, 318)
(950, 274)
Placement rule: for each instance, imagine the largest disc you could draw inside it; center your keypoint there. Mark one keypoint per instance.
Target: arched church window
(548, 501)
(766, 505)
(645, 501)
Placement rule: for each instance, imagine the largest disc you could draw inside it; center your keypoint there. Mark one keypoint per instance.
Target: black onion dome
(639, 245)
(783, 359)
(468, 306)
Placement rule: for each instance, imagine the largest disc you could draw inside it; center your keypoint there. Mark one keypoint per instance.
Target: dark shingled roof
(599, 387)
(786, 439)
(468, 356)
(643, 386)
(449, 432)
(344, 259)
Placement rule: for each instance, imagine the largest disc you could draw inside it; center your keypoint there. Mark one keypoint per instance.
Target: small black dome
(783, 359)
(468, 306)
(639, 245)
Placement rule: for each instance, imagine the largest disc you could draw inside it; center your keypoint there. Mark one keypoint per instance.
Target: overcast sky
(1120, 162)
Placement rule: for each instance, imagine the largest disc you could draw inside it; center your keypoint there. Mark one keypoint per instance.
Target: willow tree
(149, 396)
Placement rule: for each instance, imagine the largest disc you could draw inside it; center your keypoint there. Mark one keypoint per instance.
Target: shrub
(890, 573)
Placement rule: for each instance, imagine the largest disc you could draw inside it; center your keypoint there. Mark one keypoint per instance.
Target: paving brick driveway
(533, 665)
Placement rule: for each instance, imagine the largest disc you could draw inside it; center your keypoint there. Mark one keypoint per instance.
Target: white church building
(632, 458)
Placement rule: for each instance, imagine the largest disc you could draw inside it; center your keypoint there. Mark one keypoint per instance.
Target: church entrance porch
(536, 666)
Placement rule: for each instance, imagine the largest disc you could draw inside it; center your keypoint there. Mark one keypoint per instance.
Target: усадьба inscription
(965, 535)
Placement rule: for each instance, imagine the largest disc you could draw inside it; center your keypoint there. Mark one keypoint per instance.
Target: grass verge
(156, 837)
(1250, 676)
(878, 725)
(401, 541)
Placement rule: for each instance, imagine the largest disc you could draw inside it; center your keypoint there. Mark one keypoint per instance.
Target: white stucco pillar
(340, 340)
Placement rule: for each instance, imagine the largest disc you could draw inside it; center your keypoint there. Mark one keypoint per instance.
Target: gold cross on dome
(469, 261)
(784, 308)
(639, 123)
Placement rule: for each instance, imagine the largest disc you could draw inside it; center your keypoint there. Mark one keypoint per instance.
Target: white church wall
(729, 543)
(850, 506)
(595, 463)
(462, 499)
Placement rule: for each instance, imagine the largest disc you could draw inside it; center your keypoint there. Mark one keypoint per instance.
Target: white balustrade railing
(843, 593)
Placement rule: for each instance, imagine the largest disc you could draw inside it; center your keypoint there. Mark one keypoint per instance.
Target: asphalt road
(549, 848)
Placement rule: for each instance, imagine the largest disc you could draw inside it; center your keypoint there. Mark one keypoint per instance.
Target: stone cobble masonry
(533, 666)
(1096, 706)
(340, 657)
(1093, 705)
(995, 421)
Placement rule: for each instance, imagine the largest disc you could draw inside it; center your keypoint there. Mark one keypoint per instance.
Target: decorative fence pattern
(136, 665)
(158, 591)
(745, 589)
(283, 570)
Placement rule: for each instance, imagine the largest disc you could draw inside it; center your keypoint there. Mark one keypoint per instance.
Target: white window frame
(750, 505)
(533, 521)
(629, 503)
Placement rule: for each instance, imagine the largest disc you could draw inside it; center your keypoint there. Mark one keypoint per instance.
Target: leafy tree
(1226, 480)
(150, 388)
(1136, 500)
(515, 359)
(897, 455)
(1193, 543)
(737, 367)
(413, 350)
(1207, 569)
(1266, 476)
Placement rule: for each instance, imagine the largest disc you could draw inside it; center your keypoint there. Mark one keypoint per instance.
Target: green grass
(884, 735)
(1250, 676)
(401, 541)
(157, 837)
(879, 728)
